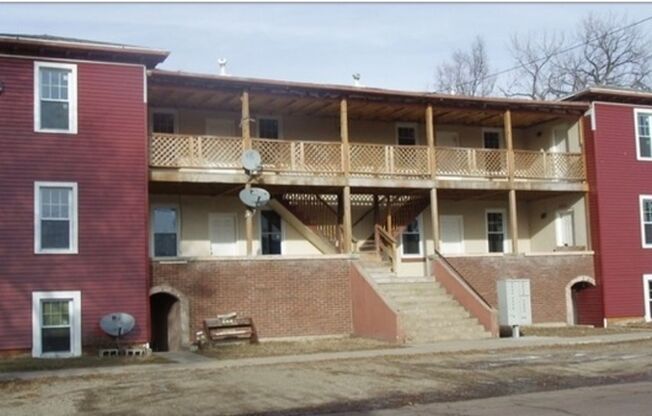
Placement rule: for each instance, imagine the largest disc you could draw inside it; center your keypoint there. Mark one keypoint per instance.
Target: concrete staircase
(427, 312)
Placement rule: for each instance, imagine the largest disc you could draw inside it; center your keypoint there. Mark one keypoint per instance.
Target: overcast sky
(391, 45)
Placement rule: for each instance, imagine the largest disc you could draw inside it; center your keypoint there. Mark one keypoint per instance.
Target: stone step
(435, 312)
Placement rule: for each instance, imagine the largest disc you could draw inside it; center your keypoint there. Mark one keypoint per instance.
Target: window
(165, 231)
(643, 140)
(164, 122)
(647, 296)
(496, 231)
(406, 134)
(55, 97)
(492, 139)
(646, 220)
(270, 232)
(411, 239)
(55, 217)
(56, 324)
(268, 128)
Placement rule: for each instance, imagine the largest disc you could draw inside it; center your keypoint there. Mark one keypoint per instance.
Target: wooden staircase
(318, 213)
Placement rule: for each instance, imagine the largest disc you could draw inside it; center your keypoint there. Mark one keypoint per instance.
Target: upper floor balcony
(315, 135)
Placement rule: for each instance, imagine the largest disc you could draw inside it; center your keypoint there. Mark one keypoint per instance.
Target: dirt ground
(329, 386)
(275, 348)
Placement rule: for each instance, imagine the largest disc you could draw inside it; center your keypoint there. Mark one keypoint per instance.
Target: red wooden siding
(617, 179)
(107, 159)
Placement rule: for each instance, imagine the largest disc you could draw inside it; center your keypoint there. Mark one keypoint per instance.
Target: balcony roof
(72, 48)
(611, 94)
(193, 90)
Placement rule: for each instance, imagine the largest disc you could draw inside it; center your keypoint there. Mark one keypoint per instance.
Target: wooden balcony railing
(365, 160)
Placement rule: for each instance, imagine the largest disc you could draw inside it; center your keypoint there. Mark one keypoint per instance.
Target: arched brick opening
(166, 300)
(577, 284)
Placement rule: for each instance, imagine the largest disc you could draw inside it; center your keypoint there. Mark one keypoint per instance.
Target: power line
(561, 51)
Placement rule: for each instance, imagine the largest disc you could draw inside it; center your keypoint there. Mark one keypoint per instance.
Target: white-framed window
(412, 239)
(268, 127)
(642, 123)
(165, 230)
(55, 97)
(647, 296)
(406, 134)
(271, 232)
(55, 217)
(645, 204)
(496, 230)
(164, 120)
(56, 324)
(492, 138)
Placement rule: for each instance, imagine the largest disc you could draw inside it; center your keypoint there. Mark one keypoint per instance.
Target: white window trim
(279, 120)
(151, 229)
(75, 323)
(73, 218)
(260, 234)
(72, 97)
(647, 279)
(414, 126)
(506, 238)
(558, 226)
(422, 239)
(642, 218)
(637, 111)
(173, 111)
(501, 138)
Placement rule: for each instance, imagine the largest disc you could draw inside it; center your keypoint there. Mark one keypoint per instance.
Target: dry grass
(276, 348)
(26, 363)
(580, 331)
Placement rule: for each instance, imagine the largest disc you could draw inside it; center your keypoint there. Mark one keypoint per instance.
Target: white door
(448, 139)
(220, 127)
(223, 235)
(451, 234)
(565, 231)
(559, 140)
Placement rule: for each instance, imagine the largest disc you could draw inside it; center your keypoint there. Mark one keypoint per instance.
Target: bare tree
(467, 73)
(614, 52)
(534, 76)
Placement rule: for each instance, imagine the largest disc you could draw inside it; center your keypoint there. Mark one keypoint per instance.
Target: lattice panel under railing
(569, 166)
(460, 161)
(220, 152)
(317, 157)
(410, 160)
(170, 150)
(369, 159)
(529, 164)
(276, 155)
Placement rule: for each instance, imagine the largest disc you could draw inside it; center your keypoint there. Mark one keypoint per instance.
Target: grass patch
(580, 331)
(276, 348)
(26, 363)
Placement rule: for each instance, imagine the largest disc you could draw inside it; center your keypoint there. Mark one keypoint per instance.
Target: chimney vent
(222, 63)
(356, 80)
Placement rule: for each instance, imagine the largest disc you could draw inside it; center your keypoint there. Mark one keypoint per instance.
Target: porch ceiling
(478, 195)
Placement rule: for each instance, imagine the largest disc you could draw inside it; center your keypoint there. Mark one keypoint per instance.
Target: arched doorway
(165, 310)
(573, 293)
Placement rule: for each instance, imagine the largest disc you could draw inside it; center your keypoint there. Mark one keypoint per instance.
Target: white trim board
(75, 323)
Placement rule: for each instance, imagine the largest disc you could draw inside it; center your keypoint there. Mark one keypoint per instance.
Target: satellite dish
(251, 160)
(117, 324)
(254, 197)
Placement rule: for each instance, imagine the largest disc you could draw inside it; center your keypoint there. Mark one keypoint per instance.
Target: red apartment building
(73, 186)
(619, 162)
(393, 215)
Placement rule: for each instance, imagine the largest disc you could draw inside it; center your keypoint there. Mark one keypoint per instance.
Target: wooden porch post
(344, 134)
(434, 208)
(246, 144)
(346, 220)
(587, 204)
(513, 216)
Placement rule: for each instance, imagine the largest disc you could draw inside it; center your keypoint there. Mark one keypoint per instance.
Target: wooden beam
(431, 141)
(344, 135)
(507, 120)
(434, 218)
(347, 244)
(246, 139)
(513, 220)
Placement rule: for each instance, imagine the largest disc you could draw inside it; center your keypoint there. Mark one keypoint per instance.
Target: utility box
(514, 304)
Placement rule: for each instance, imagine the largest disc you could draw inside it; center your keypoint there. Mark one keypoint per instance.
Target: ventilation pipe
(356, 80)
(222, 63)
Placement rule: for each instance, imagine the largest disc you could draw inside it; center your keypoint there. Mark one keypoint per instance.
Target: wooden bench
(230, 328)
